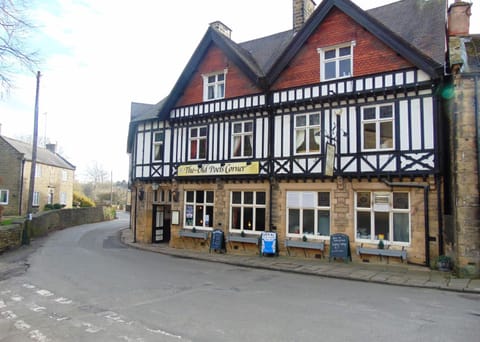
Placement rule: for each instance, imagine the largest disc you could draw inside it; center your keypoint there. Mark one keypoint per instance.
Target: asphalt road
(82, 284)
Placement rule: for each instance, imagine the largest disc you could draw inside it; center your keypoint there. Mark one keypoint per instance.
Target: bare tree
(14, 30)
(96, 173)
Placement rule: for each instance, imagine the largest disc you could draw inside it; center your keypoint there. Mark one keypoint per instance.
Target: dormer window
(336, 61)
(214, 86)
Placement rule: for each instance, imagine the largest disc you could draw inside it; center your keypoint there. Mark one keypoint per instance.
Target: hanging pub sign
(245, 168)
(329, 159)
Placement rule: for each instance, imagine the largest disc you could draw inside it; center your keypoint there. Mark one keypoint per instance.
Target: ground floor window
(383, 216)
(36, 199)
(248, 211)
(308, 213)
(3, 196)
(199, 209)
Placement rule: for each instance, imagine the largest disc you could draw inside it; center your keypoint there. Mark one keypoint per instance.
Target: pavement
(390, 274)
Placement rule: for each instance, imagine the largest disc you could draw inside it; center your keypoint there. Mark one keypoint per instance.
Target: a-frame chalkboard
(340, 247)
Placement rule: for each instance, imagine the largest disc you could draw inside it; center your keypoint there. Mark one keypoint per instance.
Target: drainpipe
(477, 123)
(135, 217)
(426, 189)
(20, 192)
(271, 143)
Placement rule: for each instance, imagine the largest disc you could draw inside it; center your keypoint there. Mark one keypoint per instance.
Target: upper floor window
(158, 138)
(199, 209)
(377, 127)
(36, 199)
(214, 86)
(383, 216)
(336, 61)
(64, 175)
(198, 143)
(38, 170)
(248, 211)
(242, 139)
(3, 196)
(308, 213)
(307, 133)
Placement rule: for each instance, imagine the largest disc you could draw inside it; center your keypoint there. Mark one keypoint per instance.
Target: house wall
(10, 177)
(370, 54)
(236, 84)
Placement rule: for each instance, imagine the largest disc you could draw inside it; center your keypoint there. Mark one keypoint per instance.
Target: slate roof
(472, 45)
(44, 156)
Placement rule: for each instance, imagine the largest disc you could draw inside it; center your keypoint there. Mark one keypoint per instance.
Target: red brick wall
(237, 84)
(370, 54)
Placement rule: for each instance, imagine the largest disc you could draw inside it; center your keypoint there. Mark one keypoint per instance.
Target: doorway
(160, 224)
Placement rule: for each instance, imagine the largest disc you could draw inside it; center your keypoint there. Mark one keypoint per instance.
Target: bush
(80, 200)
(48, 207)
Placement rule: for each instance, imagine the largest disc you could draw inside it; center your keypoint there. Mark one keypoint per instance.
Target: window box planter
(304, 244)
(243, 239)
(396, 253)
(193, 234)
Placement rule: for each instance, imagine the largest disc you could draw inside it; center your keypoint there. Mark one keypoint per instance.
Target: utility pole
(34, 151)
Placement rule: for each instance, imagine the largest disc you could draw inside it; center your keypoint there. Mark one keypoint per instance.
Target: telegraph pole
(34, 151)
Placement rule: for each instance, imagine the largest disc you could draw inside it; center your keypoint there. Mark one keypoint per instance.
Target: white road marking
(113, 316)
(128, 339)
(28, 286)
(162, 332)
(58, 317)
(2, 304)
(9, 314)
(91, 328)
(63, 300)
(45, 293)
(36, 335)
(4, 292)
(21, 325)
(17, 298)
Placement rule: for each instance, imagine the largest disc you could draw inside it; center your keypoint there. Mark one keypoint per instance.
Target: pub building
(332, 127)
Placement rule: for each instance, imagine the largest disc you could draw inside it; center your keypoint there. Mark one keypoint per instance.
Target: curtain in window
(193, 149)
(237, 146)
(400, 227)
(300, 141)
(248, 146)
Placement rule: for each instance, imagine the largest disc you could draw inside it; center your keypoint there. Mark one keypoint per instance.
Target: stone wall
(10, 237)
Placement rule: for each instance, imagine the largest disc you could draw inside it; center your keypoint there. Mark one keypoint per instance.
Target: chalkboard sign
(269, 243)
(340, 247)
(217, 241)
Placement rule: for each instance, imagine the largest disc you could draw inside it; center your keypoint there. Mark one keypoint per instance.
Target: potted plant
(444, 263)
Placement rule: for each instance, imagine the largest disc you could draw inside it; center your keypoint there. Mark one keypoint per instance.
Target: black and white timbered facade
(305, 133)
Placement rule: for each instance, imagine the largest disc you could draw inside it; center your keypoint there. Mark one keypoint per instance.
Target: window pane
(159, 136)
(237, 128)
(369, 113)
(248, 218)
(236, 197)
(400, 200)
(363, 200)
(189, 215)
(400, 227)
(386, 134)
(301, 120)
(209, 196)
(330, 54)
(300, 143)
(220, 91)
(294, 221)
(382, 225)
(314, 143)
(386, 112)
(221, 77)
(314, 119)
(199, 215)
(211, 92)
(203, 131)
(248, 197)
(363, 225)
(248, 149)
(323, 199)
(200, 197)
(211, 79)
(369, 136)
(345, 51)
(203, 149)
(190, 196)
(323, 223)
(248, 127)
(209, 216)
(158, 153)
(261, 198)
(308, 221)
(330, 70)
(260, 219)
(237, 144)
(345, 68)
(193, 133)
(236, 212)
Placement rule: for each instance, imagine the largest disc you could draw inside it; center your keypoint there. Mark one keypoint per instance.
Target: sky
(99, 56)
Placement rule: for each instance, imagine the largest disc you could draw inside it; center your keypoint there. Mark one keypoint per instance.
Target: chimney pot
(302, 9)
(222, 28)
(51, 147)
(459, 18)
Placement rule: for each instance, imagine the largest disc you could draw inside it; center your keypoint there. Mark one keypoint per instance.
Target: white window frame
(158, 144)
(378, 121)
(337, 60)
(308, 130)
(243, 135)
(36, 199)
(38, 170)
(256, 207)
(218, 85)
(198, 139)
(4, 196)
(382, 202)
(64, 175)
(191, 207)
(307, 200)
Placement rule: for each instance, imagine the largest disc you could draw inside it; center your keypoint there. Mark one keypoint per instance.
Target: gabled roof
(44, 156)
(398, 35)
(141, 112)
(241, 57)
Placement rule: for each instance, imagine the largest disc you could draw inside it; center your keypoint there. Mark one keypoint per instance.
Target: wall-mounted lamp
(175, 195)
(141, 194)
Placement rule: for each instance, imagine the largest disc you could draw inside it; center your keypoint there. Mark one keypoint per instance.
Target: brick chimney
(302, 9)
(459, 18)
(51, 147)
(222, 28)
